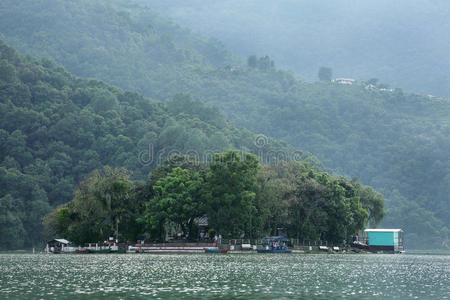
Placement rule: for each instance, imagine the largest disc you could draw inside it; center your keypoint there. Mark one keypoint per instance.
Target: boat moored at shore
(274, 244)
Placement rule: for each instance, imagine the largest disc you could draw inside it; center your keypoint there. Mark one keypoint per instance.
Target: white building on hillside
(348, 81)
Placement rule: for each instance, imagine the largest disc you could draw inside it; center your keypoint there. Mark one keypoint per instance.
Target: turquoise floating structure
(390, 240)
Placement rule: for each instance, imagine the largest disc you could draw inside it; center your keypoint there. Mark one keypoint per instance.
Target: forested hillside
(55, 129)
(392, 140)
(403, 43)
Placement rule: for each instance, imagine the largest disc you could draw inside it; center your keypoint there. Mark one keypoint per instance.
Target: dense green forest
(55, 129)
(404, 43)
(239, 197)
(392, 140)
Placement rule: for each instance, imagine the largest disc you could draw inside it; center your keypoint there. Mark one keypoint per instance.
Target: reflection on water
(254, 276)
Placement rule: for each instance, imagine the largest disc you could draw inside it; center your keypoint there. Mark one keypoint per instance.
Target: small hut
(57, 246)
(384, 239)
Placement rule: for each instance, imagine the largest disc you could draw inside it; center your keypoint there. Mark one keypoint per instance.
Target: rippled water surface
(246, 276)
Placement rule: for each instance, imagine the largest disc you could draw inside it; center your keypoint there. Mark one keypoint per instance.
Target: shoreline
(240, 252)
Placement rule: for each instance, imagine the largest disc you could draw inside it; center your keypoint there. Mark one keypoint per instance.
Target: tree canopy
(325, 74)
(239, 197)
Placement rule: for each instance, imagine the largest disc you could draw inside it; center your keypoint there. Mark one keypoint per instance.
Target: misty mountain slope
(394, 141)
(145, 50)
(56, 128)
(403, 43)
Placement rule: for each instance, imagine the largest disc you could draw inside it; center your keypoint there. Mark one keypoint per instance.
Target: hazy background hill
(403, 43)
(395, 141)
(134, 49)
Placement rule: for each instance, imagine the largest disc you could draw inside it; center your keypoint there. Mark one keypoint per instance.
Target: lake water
(230, 276)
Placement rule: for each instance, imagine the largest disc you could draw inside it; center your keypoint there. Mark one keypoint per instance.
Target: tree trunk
(117, 228)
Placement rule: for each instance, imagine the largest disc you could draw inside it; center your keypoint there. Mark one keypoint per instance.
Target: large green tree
(232, 186)
(101, 202)
(178, 200)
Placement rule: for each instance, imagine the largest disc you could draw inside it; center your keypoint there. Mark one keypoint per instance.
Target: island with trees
(240, 198)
